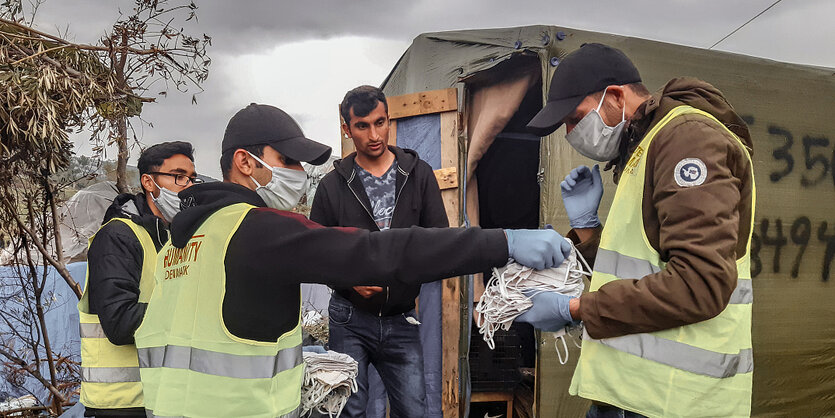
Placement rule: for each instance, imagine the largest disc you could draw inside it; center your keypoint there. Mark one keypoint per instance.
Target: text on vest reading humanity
(180, 259)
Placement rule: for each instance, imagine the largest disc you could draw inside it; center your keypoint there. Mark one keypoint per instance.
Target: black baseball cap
(259, 124)
(587, 70)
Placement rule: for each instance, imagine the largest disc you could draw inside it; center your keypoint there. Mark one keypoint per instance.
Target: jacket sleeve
(433, 213)
(322, 211)
(587, 248)
(698, 237)
(301, 251)
(115, 265)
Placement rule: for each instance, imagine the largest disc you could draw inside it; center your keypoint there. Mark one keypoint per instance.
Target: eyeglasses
(180, 179)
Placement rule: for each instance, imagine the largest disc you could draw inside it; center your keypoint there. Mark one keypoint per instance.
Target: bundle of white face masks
(329, 379)
(510, 289)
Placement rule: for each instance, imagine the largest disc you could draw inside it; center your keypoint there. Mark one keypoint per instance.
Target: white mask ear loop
(158, 187)
(599, 105)
(267, 166)
(588, 270)
(623, 110)
(561, 337)
(257, 185)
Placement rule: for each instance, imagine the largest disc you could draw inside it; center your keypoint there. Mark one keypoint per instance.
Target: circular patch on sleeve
(690, 172)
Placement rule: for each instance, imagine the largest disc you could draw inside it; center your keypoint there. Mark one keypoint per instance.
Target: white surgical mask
(594, 139)
(285, 188)
(167, 202)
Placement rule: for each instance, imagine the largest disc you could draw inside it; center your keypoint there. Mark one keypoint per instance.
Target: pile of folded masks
(329, 379)
(509, 291)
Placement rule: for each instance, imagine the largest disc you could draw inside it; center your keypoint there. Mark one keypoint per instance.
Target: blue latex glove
(582, 190)
(537, 248)
(549, 312)
(318, 349)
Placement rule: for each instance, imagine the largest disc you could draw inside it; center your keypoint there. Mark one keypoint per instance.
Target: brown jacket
(699, 231)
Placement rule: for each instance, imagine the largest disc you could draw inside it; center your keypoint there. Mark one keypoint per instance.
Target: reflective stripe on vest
(625, 267)
(91, 331)
(150, 414)
(682, 356)
(109, 374)
(110, 377)
(219, 364)
(190, 363)
(701, 369)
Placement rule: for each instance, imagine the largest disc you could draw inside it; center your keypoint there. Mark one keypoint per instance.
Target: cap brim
(303, 149)
(550, 117)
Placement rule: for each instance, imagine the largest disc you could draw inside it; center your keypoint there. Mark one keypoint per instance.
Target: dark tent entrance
(506, 178)
(506, 182)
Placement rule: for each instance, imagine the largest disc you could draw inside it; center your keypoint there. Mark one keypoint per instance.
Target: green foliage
(46, 90)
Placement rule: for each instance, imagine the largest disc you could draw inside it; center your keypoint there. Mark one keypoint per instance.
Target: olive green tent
(502, 76)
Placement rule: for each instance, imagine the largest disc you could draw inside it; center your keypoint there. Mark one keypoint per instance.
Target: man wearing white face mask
(668, 319)
(120, 266)
(222, 333)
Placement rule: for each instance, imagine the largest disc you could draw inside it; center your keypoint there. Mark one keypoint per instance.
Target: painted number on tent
(817, 157)
(801, 234)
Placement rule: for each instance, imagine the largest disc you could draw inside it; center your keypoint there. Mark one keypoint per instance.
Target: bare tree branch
(62, 269)
(52, 86)
(34, 373)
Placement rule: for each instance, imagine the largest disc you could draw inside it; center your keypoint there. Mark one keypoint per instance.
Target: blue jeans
(392, 345)
(605, 411)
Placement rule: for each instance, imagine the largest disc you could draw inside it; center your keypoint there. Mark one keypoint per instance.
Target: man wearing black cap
(222, 332)
(668, 318)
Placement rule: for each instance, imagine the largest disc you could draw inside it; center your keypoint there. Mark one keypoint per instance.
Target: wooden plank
(450, 199)
(449, 138)
(451, 333)
(449, 158)
(393, 132)
(506, 397)
(447, 177)
(491, 397)
(422, 103)
(451, 289)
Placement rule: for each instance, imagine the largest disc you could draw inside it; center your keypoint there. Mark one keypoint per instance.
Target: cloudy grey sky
(302, 56)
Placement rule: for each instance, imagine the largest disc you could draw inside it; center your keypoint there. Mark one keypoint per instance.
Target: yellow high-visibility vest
(191, 365)
(699, 370)
(110, 373)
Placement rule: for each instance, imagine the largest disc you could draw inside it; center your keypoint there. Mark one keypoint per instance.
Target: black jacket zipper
(396, 200)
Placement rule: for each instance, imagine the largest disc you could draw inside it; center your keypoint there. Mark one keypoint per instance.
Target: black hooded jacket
(341, 200)
(114, 266)
(273, 251)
